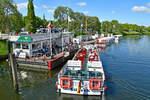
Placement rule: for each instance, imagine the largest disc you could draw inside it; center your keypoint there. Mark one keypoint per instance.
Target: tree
(125, 27)
(31, 19)
(115, 25)
(94, 24)
(148, 29)
(78, 18)
(61, 15)
(10, 17)
(16, 21)
(107, 27)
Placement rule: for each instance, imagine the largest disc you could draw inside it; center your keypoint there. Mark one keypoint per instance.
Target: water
(127, 68)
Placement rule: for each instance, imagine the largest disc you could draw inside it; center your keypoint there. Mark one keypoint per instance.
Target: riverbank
(131, 33)
(3, 49)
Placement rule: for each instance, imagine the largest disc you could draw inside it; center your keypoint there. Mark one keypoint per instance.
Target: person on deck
(53, 49)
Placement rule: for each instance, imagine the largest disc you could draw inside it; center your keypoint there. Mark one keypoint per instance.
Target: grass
(3, 48)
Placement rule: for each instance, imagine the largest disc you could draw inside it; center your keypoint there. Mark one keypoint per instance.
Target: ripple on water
(131, 89)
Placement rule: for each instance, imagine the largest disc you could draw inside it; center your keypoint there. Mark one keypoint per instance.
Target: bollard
(14, 71)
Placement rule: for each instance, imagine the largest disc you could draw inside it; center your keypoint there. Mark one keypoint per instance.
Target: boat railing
(81, 75)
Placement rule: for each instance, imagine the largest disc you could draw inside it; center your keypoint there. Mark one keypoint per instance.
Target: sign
(74, 63)
(20, 38)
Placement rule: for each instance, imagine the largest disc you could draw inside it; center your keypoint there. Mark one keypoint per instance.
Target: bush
(132, 33)
(118, 33)
(146, 33)
(77, 34)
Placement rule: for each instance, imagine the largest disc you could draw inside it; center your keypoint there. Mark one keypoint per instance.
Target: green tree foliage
(16, 22)
(9, 16)
(31, 19)
(94, 24)
(61, 14)
(107, 27)
(148, 29)
(115, 26)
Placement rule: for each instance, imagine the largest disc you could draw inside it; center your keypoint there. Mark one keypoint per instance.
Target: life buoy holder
(95, 84)
(65, 82)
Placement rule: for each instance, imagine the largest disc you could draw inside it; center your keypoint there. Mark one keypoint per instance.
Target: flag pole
(86, 25)
(49, 26)
(62, 40)
(68, 17)
(68, 23)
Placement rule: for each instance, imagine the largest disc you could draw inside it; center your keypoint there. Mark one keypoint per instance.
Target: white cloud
(45, 6)
(22, 5)
(85, 12)
(141, 9)
(50, 11)
(35, 6)
(81, 3)
(113, 12)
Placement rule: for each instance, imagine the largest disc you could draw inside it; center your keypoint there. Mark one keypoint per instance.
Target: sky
(125, 11)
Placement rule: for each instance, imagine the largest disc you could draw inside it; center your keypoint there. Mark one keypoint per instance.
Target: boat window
(17, 45)
(95, 84)
(25, 46)
(36, 46)
(65, 82)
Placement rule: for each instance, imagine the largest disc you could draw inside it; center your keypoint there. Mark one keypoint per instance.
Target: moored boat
(83, 75)
(42, 50)
(105, 41)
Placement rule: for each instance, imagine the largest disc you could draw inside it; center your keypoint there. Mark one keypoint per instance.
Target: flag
(81, 24)
(69, 19)
(49, 25)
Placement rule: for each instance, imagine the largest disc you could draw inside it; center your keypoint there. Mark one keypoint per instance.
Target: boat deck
(84, 73)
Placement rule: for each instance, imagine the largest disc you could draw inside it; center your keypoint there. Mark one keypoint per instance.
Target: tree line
(12, 20)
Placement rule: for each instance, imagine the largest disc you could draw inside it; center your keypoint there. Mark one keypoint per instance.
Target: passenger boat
(42, 50)
(117, 38)
(83, 75)
(105, 41)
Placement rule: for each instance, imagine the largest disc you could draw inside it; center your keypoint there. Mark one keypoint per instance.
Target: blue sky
(125, 11)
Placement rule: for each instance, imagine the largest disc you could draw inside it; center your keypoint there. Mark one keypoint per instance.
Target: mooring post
(9, 49)
(14, 71)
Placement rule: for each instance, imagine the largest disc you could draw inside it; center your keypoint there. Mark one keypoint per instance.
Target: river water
(127, 68)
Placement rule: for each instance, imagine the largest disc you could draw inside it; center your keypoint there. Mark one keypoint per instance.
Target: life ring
(65, 82)
(91, 58)
(95, 84)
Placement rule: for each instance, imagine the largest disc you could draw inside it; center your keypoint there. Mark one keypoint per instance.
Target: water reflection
(78, 97)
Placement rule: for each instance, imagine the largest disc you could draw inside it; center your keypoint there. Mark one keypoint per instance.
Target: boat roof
(27, 38)
(90, 69)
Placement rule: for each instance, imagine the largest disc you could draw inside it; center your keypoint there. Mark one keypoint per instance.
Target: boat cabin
(28, 45)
